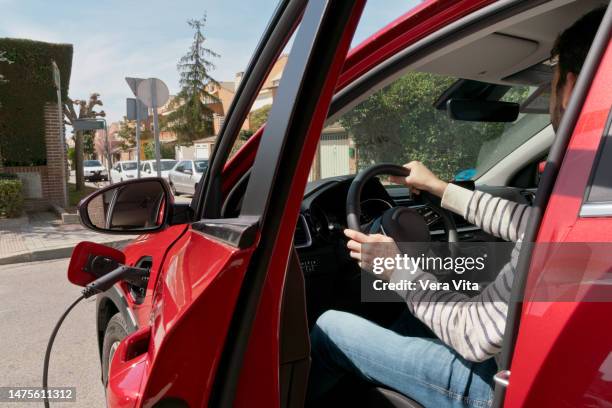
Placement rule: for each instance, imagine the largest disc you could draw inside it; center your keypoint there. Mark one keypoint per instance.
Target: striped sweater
(473, 327)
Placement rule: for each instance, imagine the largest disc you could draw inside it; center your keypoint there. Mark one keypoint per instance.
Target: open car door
(213, 334)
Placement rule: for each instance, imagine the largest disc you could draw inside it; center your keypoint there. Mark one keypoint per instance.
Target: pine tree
(191, 118)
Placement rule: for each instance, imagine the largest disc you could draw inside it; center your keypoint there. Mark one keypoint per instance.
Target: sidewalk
(45, 237)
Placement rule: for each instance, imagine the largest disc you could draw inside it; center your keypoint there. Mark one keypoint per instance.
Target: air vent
(302, 237)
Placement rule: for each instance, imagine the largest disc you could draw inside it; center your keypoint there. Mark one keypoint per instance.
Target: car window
(165, 165)
(92, 163)
(117, 167)
(201, 165)
(187, 165)
(129, 166)
(400, 123)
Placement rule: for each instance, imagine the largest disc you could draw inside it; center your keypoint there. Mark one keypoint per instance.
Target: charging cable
(136, 276)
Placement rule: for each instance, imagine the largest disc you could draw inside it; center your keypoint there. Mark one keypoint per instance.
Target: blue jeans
(400, 358)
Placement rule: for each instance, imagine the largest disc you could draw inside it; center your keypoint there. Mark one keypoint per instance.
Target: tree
(191, 118)
(4, 60)
(258, 117)
(86, 111)
(399, 124)
(88, 143)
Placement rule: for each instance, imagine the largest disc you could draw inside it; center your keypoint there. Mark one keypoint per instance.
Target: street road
(34, 295)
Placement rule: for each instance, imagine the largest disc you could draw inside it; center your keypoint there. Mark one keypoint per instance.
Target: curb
(52, 253)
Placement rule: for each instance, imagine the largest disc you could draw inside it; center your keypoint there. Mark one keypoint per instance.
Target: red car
(239, 275)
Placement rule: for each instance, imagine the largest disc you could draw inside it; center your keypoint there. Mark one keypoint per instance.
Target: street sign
(132, 104)
(153, 92)
(87, 124)
(133, 83)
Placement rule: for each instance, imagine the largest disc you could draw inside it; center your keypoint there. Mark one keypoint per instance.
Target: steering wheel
(403, 224)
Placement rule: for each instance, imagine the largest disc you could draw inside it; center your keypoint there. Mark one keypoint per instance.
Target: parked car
(185, 175)
(94, 171)
(149, 168)
(238, 277)
(124, 170)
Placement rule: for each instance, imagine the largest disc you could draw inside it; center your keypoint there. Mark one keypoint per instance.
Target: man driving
(444, 353)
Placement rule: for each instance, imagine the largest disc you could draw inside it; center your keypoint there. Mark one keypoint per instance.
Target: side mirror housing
(188, 171)
(132, 207)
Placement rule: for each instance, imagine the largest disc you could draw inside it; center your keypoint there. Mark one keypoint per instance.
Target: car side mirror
(134, 206)
(188, 171)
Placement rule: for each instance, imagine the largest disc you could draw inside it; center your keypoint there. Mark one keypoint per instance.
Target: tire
(116, 331)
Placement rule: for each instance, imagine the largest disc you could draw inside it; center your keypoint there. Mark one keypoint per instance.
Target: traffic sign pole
(156, 127)
(154, 93)
(137, 139)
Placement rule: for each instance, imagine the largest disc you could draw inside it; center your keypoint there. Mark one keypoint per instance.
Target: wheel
(176, 193)
(115, 332)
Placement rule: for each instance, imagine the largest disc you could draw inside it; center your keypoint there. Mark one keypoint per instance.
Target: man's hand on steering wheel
(356, 248)
(421, 179)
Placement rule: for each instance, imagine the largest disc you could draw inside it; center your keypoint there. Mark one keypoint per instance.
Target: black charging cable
(103, 283)
(50, 345)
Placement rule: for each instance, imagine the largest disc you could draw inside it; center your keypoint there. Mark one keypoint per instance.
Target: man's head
(570, 51)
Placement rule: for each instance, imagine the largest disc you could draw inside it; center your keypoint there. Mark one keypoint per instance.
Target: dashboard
(323, 213)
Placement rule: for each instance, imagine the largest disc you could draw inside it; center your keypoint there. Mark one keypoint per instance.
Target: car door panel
(186, 313)
(545, 372)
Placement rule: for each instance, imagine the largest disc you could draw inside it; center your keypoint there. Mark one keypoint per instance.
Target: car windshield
(165, 165)
(92, 163)
(400, 123)
(201, 165)
(129, 165)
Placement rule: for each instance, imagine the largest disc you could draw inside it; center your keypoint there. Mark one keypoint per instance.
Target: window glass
(201, 165)
(165, 165)
(91, 163)
(129, 166)
(400, 123)
(187, 165)
(600, 186)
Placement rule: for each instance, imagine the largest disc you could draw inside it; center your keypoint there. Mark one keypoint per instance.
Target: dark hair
(572, 45)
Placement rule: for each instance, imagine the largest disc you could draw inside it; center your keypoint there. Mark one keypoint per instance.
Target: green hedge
(23, 97)
(11, 197)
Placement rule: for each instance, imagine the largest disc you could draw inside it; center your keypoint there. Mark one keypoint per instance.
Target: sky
(113, 39)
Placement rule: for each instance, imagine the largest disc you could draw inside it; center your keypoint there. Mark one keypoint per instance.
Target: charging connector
(136, 276)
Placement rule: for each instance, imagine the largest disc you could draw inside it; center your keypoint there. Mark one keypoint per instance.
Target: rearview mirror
(476, 110)
(134, 206)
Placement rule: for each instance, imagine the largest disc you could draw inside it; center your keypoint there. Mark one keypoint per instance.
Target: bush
(11, 197)
(29, 87)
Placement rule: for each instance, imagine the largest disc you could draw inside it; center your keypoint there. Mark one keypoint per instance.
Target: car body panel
(555, 369)
(96, 172)
(182, 182)
(119, 173)
(148, 169)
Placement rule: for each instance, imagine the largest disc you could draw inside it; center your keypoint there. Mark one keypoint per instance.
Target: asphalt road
(33, 296)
